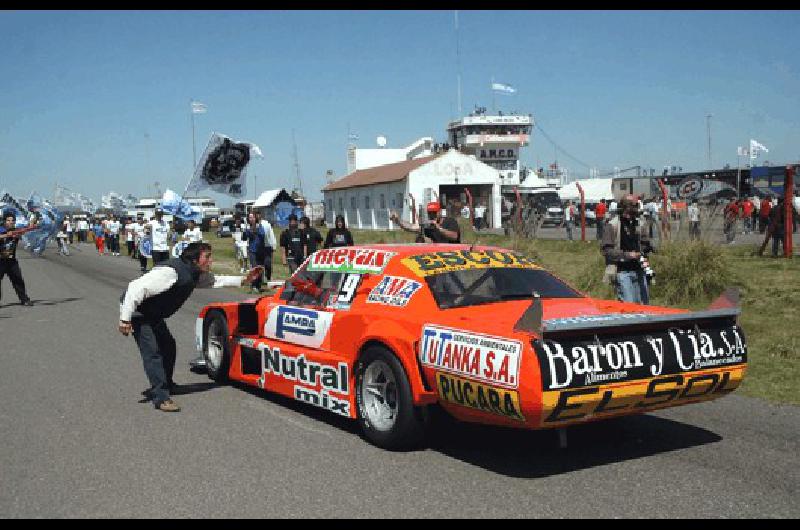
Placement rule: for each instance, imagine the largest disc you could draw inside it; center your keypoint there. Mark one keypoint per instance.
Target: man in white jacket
(152, 298)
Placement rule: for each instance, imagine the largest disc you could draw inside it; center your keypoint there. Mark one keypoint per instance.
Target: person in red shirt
(730, 214)
(600, 218)
(747, 215)
(766, 206)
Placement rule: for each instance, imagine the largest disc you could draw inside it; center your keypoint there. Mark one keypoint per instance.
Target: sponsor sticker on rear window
(393, 291)
(350, 260)
(461, 260)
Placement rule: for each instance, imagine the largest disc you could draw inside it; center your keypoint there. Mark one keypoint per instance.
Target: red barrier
(583, 211)
(471, 208)
(788, 197)
(519, 205)
(664, 213)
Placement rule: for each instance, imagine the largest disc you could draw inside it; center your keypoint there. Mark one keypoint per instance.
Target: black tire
(408, 429)
(218, 324)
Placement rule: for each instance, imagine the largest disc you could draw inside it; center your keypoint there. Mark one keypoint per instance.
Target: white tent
(267, 198)
(594, 190)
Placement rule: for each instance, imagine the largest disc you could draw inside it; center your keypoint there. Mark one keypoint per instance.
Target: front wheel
(386, 410)
(216, 349)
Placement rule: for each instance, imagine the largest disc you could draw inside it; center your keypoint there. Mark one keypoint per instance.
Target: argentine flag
(500, 87)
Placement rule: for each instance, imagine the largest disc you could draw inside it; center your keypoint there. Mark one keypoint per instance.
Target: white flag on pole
(742, 151)
(501, 87)
(755, 147)
(198, 108)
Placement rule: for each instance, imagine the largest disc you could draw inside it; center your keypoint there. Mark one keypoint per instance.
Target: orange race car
(378, 333)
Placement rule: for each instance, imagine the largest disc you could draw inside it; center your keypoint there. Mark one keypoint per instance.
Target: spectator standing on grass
(694, 220)
(311, 236)
(240, 246)
(569, 218)
(480, 216)
(99, 237)
(777, 217)
(159, 232)
(292, 245)
(624, 243)
(730, 214)
(339, 235)
(747, 215)
(255, 236)
(192, 234)
(766, 208)
(436, 229)
(600, 218)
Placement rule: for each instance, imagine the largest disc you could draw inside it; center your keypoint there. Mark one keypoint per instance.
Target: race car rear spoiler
(724, 307)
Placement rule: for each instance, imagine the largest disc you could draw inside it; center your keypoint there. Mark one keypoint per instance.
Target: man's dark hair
(292, 217)
(305, 220)
(7, 214)
(191, 254)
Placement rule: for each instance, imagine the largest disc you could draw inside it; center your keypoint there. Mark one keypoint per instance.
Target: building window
(492, 153)
(341, 204)
(399, 200)
(330, 204)
(352, 203)
(383, 201)
(510, 153)
(501, 153)
(483, 153)
(366, 202)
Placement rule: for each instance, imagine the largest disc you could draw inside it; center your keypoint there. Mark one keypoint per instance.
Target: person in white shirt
(270, 243)
(694, 220)
(141, 231)
(159, 232)
(152, 298)
(569, 218)
(612, 208)
(480, 212)
(69, 228)
(193, 234)
(113, 233)
(240, 247)
(130, 237)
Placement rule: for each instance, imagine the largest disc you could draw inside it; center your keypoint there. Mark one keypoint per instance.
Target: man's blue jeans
(632, 287)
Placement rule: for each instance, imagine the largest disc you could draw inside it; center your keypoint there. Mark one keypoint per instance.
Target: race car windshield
(486, 286)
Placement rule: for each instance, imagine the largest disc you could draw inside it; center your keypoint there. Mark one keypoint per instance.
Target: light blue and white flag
(199, 108)
(175, 205)
(501, 87)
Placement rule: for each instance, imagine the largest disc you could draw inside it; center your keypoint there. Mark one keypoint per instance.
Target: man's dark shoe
(168, 406)
(27, 303)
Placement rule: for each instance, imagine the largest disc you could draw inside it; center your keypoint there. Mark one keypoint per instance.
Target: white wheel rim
(379, 396)
(215, 344)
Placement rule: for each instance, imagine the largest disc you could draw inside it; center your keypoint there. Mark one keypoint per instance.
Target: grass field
(770, 294)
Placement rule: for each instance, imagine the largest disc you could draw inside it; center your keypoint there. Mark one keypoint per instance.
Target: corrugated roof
(378, 174)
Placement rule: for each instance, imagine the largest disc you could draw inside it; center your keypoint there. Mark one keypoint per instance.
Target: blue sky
(81, 90)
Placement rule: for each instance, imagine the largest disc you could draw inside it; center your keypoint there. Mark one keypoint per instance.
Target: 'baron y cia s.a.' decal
(306, 327)
(395, 291)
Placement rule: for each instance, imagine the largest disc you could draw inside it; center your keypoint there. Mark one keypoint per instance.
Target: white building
(366, 196)
(366, 158)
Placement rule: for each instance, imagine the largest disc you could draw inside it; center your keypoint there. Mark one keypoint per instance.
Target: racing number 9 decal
(347, 291)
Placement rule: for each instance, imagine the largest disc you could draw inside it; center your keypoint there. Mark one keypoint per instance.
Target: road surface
(76, 441)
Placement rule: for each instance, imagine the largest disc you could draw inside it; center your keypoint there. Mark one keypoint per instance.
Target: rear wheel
(216, 349)
(386, 410)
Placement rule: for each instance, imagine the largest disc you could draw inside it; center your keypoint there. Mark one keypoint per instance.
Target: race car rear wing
(724, 307)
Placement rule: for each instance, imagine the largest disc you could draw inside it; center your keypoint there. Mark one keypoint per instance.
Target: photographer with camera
(625, 247)
(435, 228)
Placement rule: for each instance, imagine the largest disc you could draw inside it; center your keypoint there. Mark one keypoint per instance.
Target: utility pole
(296, 165)
(458, 67)
(708, 129)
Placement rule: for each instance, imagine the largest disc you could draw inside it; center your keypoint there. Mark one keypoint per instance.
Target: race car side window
(325, 284)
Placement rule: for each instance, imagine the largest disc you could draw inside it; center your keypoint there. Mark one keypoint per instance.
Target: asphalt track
(76, 442)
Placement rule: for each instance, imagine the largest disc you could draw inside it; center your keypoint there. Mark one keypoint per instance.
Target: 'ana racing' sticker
(394, 291)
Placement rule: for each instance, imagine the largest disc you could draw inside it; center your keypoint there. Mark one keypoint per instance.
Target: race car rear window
(485, 286)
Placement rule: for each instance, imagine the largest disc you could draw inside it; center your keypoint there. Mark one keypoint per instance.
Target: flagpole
(194, 149)
(494, 110)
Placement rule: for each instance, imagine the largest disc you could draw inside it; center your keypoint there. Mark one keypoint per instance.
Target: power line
(559, 148)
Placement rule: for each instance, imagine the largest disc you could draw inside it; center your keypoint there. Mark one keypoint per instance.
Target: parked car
(377, 334)
(226, 227)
